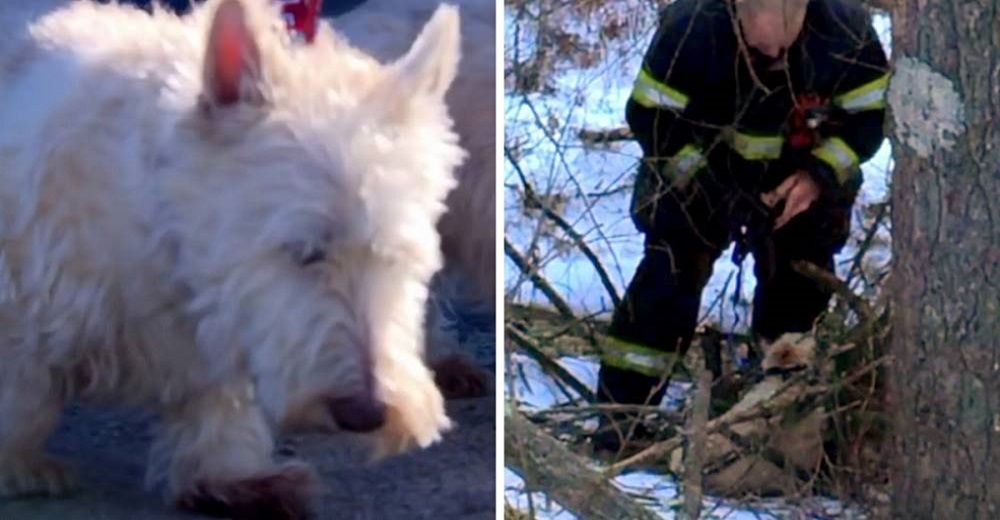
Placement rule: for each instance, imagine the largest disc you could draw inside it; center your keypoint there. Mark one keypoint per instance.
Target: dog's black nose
(358, 413)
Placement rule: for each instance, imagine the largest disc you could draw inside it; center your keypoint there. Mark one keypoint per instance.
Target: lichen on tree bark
(927, 111)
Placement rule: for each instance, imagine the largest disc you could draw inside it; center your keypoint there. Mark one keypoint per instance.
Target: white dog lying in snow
(201, 218)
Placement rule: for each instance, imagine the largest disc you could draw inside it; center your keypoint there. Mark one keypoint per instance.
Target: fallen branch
(765, 408)
(544, 463)
(662, 414)
(611, 135)
(664, 448)
(830, 282)
(533, 350)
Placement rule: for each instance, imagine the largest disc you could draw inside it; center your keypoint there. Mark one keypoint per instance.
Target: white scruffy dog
(200, 217)
(468, 233)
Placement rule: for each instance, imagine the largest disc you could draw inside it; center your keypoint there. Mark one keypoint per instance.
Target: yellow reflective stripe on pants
(757, 148)
(637, 358)
(870, 96)
(651, 93)
(835, 152)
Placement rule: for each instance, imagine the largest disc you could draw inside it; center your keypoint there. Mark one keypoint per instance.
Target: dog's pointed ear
(232, 72)
(430, 66)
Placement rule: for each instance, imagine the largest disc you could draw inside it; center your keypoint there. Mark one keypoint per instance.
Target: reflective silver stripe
(870, 96)
(653, 94)
(839, 155)
(756, 148)
(637, 358)
(687, 161)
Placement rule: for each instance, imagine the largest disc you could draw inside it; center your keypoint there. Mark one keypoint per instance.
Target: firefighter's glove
(799, 191)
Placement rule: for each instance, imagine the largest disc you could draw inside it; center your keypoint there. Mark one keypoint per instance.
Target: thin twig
(883, 212)
(531, 348)
(533, 200)
(611, 135)
(536, 278)
(637, 409)
(830, 282)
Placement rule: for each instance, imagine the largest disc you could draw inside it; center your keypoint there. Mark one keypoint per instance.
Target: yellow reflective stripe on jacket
(636, 358)
(755, 147)
(651, 93)
(687, 161)
(835, 152)
(870, 96)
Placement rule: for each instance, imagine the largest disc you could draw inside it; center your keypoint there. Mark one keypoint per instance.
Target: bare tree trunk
(945, 105)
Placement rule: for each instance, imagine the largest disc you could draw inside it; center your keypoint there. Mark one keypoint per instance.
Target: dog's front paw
(284, 493)
(34, 476)
(458, 378)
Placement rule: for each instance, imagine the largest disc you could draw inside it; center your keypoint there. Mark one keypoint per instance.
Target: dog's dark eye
(312, 256)
(306, 254)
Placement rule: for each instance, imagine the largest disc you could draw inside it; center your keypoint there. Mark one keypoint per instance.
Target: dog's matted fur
(468, 233)
(200, 217)
(383, 28)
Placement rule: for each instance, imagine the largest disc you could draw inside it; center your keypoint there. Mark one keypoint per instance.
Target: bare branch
(830, 282)
(533, 200)
(536, 278)
(696, 439)
(555, 369)
(612, 135)
(545, 463)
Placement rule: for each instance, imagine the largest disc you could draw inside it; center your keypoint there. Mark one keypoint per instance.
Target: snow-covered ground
(545, 129)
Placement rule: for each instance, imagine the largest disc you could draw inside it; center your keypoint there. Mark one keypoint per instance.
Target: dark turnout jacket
(697, 104)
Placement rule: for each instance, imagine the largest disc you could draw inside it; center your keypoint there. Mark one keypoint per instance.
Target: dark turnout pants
(691, 229)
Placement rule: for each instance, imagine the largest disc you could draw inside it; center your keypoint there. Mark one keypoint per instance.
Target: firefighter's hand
(798, 191)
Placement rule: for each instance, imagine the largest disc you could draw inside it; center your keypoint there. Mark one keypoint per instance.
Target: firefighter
(753, 117)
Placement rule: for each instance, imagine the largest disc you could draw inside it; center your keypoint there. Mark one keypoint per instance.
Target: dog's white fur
(468, 232)
(148, 234)
(791, 350)
(384, 28)
(798, 438)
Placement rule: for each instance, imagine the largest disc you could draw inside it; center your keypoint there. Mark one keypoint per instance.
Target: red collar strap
(301, 17)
